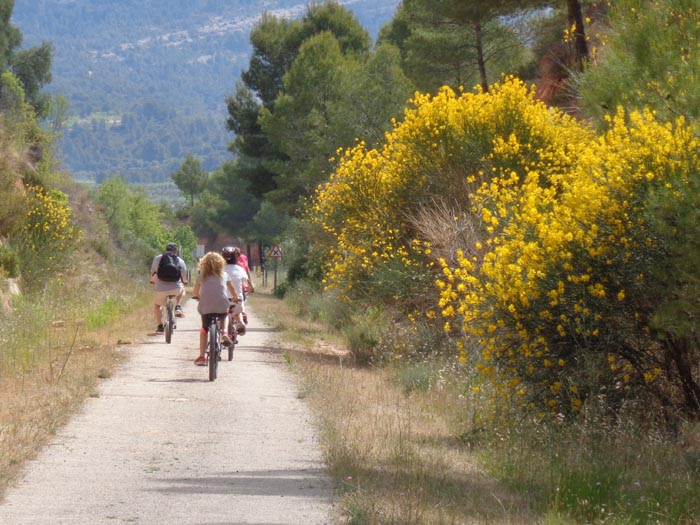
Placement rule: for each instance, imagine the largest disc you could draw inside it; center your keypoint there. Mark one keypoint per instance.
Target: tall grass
(600, 471)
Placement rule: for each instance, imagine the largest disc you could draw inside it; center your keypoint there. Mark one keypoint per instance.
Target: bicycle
(168, 319)
(213, 345)
(232, 331)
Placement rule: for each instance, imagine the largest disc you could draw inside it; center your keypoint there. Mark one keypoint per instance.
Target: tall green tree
(453, 41)
(276, 43)
(299, 123)
(250, 143)
(191, 179)
(238, 205)
(268, 224)
(375, 90)
(328, 101)
(31, 66)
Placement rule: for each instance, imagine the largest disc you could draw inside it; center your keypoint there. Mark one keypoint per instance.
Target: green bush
(299, 295)
(9, 261)
(104, 313)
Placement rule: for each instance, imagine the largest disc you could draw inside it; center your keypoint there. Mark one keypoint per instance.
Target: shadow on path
(290, 483)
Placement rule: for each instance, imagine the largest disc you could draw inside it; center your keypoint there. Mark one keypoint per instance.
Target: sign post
(276, 254)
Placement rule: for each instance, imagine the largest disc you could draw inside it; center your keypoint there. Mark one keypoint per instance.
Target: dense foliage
(458, 42)
(144, 144)
(648, 60)
(558, 249)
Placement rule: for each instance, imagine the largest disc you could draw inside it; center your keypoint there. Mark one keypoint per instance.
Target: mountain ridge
(177, 59)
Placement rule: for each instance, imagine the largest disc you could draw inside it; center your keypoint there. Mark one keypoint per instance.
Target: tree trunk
(680, 354)
(576, 21)
(480, 58)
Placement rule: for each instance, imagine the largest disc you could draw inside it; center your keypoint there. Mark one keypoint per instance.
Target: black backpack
(168, 268)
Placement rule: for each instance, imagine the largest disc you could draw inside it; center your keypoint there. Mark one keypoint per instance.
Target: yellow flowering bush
(555, 293)
(567, 276)
(435, 154)
(47, 231)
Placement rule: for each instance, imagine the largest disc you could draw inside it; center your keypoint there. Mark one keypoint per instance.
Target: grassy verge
(419, 443)
(51, 359)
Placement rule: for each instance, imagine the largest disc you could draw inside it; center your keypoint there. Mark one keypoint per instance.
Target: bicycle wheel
(232, 334)
(170, 324)
(213, 350)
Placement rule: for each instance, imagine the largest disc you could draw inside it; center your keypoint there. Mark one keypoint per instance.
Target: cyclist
(213, 288)
(166, 284)
(239, 278)
(247, 286)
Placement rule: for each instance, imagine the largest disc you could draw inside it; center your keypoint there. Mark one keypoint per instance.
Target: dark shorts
(206, 319)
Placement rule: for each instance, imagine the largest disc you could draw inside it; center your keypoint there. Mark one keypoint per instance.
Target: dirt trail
(163, 445)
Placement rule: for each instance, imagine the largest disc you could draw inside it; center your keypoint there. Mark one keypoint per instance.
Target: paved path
(163, 445)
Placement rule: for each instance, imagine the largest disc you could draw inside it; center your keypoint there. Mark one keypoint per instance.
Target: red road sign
(275, 251)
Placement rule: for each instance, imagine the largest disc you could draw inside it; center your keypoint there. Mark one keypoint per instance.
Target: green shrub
(414, 376)
(298, 296)
(9, 261)
(104, 313)
(364, 334)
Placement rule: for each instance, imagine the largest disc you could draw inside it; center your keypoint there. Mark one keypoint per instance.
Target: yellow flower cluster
(366, 204)
(48, 226)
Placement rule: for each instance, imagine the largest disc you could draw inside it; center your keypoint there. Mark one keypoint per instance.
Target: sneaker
(179, 312)
(200, 361)
(160, 329)
(241, 329)
(226, 340)
(245, 318)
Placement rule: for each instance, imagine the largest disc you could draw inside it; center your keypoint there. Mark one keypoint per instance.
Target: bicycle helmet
(171, 247)
(230, 253)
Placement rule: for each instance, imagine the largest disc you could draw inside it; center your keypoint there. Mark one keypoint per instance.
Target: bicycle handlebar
(196, 298)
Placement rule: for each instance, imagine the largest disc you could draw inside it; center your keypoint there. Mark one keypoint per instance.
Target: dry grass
(296, 333)
(43, 395)
(394, 453)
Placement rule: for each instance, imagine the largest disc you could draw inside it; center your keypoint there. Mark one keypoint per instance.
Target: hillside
(146, 82)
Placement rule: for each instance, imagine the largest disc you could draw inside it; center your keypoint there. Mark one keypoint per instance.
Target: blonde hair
(212, 264)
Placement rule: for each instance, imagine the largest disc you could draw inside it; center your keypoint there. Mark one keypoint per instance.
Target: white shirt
(237, 275)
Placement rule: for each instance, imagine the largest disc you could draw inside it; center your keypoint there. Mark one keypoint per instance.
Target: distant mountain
(147, 79)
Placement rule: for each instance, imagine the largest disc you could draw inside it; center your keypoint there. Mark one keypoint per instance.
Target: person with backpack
(169, 277)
